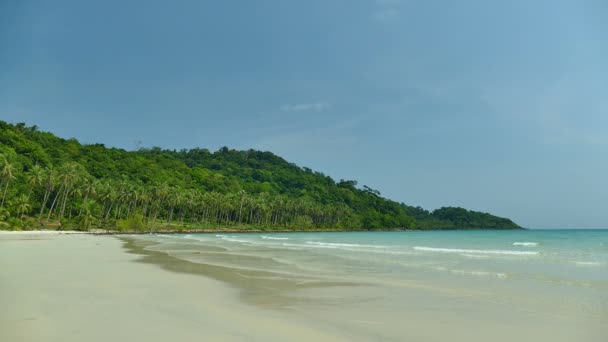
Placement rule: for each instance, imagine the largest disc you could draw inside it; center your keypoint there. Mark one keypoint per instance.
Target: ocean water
(465, 285)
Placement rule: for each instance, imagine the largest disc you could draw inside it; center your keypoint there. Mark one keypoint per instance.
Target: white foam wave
(480, 273)
(342, 248)
(525, 244)
(473, 251)
(331, 244)
(235, 240)
(231, 238)
(588, 263)
(274, 238)
(474, 255)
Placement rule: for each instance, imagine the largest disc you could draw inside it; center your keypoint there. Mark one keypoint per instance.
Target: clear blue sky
(499, 106)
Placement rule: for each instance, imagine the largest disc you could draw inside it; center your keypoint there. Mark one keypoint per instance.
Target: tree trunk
(4, 194)
(54, 202)
(47, 194)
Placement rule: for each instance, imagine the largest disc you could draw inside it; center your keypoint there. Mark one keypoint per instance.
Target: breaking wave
(473, 251)
(525, 244)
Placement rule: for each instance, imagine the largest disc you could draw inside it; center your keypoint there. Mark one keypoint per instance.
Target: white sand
(38, 232)
(77, 287)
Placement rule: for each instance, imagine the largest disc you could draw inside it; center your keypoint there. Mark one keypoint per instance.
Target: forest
(47, 182)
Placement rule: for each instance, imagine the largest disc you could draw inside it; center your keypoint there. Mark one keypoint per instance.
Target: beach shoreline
(77, 286)
(82, 287)
(99, 231)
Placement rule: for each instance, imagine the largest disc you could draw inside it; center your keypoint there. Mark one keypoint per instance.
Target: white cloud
(315, 106)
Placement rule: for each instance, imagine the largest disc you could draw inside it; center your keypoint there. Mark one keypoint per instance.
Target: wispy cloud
(299, 107)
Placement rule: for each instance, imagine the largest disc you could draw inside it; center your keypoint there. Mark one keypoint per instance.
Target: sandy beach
(71, 286)
(78, 287)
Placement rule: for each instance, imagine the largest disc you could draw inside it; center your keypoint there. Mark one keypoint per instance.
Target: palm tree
(69, 178)
(7, 174)
(88, 188)
(242, 197)
(68, 175)
(49, 186)
(174, 199)
(23, 205)
(111, 196)
(35, 178)
(87, 218)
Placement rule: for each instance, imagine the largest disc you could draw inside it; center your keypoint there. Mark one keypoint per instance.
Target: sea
(466, 285)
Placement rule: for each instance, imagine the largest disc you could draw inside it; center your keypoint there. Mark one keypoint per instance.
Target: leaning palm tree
(7, 175)
(49, 186)
(67, 176)
(34, 178)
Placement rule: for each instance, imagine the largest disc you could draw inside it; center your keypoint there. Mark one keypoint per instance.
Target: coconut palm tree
(88, 188)
(174, 200)
(87, 218)
(242, 198)
(7, 175)
(34, 178)
(69, 178)
(49, 186)
(23, 205)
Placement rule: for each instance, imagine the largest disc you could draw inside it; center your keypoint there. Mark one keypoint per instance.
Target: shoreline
(155, 288)
(239, 231)
(122, 298)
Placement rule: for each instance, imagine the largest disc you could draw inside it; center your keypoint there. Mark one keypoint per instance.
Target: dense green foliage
(46, 179)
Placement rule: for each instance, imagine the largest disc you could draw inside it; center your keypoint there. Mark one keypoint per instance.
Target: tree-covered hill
(46, 179)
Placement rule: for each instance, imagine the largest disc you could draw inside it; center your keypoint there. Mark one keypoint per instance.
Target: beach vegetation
(55, 183)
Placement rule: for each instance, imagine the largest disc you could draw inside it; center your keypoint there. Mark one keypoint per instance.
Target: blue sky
(498, 106)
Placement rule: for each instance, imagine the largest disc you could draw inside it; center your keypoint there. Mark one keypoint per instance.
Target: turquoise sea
(542, 284)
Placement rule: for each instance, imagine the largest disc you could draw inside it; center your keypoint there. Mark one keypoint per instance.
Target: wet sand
(80, 287)
(88, 288)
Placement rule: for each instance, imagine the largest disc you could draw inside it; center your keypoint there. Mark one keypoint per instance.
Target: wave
(498, 275)
(274, 238)
(231, 238)
(473, 251)
(350, 249)
(525, 244)
(331, 244)
(474, 255)
(588, 263)
(235, 240)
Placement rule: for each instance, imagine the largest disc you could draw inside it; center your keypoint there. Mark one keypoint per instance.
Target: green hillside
(49, 181)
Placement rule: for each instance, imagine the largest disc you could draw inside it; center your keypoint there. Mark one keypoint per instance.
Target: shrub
(134, 223)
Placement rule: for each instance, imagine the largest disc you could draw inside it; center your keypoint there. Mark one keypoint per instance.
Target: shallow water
(474, 284)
